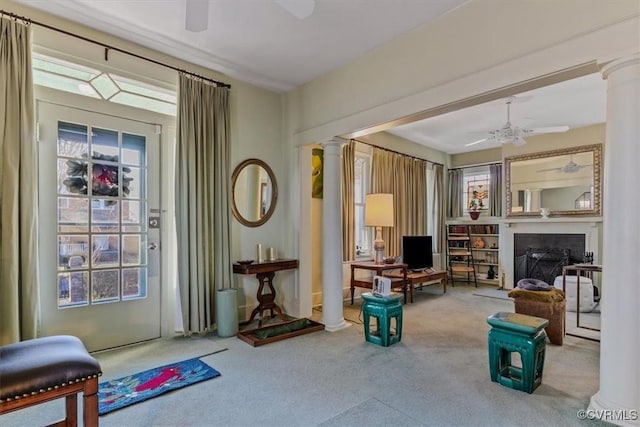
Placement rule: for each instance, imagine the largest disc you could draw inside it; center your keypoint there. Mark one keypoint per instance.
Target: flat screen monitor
(417, 252)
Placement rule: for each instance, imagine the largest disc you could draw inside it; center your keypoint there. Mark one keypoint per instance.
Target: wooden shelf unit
(489, 255)
(460, 254)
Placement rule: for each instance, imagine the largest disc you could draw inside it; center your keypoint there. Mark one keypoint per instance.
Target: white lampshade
(378, 210)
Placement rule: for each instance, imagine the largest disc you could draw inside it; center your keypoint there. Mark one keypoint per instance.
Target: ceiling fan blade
(476, 142)
(550, 170)
(197, 15)
(301, 9)
(550, 129)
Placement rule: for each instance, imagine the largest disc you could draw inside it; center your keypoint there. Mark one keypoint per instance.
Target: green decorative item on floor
(383, 309)
(117, 394)
(510, 333)
(284, 328)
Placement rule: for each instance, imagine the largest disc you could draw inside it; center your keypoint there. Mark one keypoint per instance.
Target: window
(362, 178)
(475, 189)
(69, 77)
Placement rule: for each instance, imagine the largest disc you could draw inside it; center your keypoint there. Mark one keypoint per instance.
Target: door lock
(154, 222)
(152, 246)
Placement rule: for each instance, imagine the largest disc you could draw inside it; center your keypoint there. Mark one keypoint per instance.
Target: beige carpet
(438, 375)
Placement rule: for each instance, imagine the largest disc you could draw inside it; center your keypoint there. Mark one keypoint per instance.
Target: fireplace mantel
(591, 227)
(593, 220)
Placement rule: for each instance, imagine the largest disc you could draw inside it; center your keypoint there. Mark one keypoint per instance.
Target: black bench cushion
(34, 366)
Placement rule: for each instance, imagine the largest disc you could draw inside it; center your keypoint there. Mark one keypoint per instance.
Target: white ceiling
(574, 103)
(259, 42)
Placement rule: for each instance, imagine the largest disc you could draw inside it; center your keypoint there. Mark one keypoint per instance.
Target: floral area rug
(117, 394)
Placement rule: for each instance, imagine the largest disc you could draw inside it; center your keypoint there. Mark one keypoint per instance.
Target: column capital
(619, 63)
(335, 141)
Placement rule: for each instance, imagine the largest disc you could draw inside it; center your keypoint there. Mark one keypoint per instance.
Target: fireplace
(575, 234)
(542, 256)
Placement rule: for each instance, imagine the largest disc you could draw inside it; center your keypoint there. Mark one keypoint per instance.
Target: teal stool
(383, 309)
(512, 332)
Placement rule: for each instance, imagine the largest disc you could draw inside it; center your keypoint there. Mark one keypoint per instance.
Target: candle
(259, 250)
(272, 254)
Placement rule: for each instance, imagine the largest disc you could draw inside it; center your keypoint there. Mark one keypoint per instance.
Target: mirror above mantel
(566, 182)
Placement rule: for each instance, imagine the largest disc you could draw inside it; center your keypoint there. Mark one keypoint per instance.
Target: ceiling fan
(570, 167)
(515, 134)
(197, 12)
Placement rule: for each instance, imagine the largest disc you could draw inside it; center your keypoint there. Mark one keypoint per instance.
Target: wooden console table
(379, 269)
(265, 272)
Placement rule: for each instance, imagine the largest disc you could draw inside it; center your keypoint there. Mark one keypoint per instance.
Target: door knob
(153, 246)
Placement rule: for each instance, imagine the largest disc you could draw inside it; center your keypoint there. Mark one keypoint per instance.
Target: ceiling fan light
(519, 141)
(197, 15)
(301, 9)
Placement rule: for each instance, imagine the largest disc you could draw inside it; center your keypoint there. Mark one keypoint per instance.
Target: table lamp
(378, 213)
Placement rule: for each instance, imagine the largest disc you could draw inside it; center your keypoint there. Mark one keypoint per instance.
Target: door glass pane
(133, 150)
(133, 249)
(104, 178)
(133, 216)
(105, 286)
(72, 176)
(105, 250)
(105, 215)
(72, 140)
(73, 215)
(104, 143)
(134, 283)
(133, 183)
(73, 289)
(73, 251)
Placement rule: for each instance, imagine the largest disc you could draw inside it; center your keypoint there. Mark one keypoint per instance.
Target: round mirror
(254, 192)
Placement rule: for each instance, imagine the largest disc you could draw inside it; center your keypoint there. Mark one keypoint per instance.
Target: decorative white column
(532, 199)
(332, 299)
(619, 394)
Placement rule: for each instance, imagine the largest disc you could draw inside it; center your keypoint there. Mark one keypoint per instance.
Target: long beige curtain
(405, 178)
(202, 200)
(456, 182)
(19, 316)
(439, 234)
(495, 190)
(348, 202)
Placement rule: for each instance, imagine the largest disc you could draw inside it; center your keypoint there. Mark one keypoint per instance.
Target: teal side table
(384, 309)
(510, 333)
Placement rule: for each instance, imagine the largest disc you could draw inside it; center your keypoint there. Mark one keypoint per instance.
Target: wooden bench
(43, 369)
(422, 278)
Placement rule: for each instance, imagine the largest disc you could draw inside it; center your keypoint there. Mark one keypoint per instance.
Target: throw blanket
(552, 295)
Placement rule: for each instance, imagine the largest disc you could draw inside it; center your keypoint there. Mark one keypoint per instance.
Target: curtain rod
(397, 152)
(476, 165)
(107, 48)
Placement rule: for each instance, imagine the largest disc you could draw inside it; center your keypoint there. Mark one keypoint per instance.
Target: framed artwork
(317, 160)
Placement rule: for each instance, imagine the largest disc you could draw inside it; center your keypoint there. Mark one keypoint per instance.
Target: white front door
(99, 227)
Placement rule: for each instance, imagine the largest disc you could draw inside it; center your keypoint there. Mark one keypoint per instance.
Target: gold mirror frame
(596, 149)
(274, 193)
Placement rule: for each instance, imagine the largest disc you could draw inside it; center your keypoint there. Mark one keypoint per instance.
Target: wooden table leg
(266, 301)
